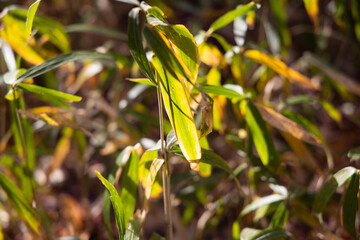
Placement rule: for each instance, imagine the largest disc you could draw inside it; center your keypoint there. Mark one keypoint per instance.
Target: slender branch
(165, 170)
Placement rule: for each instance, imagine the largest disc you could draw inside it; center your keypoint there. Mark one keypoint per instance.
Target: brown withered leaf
(282, 123)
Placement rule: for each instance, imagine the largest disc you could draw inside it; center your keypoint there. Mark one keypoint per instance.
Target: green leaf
(58, 61)
(23, 207)
(179, 112)
(117, 205)
(230, 16)
(221, 91)
(354, 154)
(350, 205)
(184, 45)
(129, 186)
(166, 54)
(261, 136)
(331, 110)
(280, 217)
(135, 44)
(328, 189)
(31, 14)
(96, 29)
(261, 202)
(49, 92)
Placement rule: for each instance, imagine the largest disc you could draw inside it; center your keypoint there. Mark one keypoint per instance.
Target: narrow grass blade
(328, 189)
(31, 14)
(280, 217)
(221, 91)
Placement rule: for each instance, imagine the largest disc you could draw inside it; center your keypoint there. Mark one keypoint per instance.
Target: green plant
(242, 96)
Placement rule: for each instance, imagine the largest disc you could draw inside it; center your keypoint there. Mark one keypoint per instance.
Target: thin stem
(165, 170)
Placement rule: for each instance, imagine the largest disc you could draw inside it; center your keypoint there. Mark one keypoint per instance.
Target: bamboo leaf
(184, 45)
(312, 9)
(117, 205)
(284, 124)
(135, 44)
(221, 91)
(331, 110)
(280, 67)
(154, 169)
(23, 207)
(133, 230)
(58, 61)
(280, 217)
(270, 234)
(95, 29)
(261, 136)
(31, 14)
(230, 16)
(142, 80)
(49, 92)
(328, 189)
(350, 205)
(179, 112)
(162, 48)
(144, 172)
(262, 202)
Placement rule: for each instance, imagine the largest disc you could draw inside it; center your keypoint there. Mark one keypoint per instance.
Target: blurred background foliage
(66, 142)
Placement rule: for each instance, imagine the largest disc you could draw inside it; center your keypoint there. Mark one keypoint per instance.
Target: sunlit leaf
(281, 68)
(58, 61)
(145, 164)
(134, 2)
(354, 154)
(184, 45)
(221, 91)
(261, 136)
(135, 44)
(261, 202)
(49, 92)
(47, 27)
(211, 55)
(230, 16)
(142, 80)
(269, 234)
(23, 207)
(312, 9)
(179, 112)
(154, 169)
(31, 14)
(350, 205)
(328, 189)
(331, 110)
(171, 60)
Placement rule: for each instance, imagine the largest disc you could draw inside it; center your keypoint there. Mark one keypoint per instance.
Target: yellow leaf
(312, 10)
(281, 68)
(210, 55)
